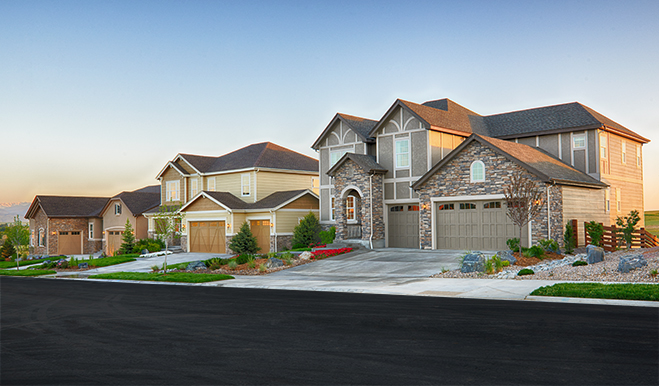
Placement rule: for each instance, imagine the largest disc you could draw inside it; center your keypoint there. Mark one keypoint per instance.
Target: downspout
(370, 183)
(273, 216)
(548, 215)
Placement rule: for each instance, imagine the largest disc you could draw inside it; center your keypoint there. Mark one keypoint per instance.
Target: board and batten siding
(584, 205)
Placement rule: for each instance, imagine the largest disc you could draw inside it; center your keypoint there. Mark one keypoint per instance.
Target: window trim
(332, 209)
(209, 186)
(604, 148)
(618, 200)
(40, 237)
(243, 185)
(90, 229)
(407, 153)
(352, 207)
(471, 171)
(574, 139)
(340, 153)
(623, 152)
(117, 209)
(607, 199)
(194, 187)
(173, 194)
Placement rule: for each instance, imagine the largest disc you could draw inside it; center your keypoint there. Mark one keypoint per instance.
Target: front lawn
(601, 291)
(26, 272)
(23, 263)
(181, 277)
(93, 263)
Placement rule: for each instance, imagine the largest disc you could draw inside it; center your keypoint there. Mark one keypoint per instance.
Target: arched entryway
(351, 200)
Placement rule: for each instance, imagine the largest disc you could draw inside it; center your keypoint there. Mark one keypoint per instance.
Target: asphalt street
(83, 332)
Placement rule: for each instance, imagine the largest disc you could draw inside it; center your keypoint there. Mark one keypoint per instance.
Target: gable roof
(148, 189)
(361, 126)
(271, 202)
(557, 118)
(538, 162)
(67, 206)
(137, 202)
(366, 162)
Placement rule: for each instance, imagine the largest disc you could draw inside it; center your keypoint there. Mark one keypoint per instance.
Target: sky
(97, 96)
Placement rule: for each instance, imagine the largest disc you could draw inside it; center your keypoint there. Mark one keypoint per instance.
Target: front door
(261, 230)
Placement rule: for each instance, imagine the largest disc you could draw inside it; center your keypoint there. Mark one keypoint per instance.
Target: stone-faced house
(266, 185)
(129, 206)
(66, 225)
(430, 175)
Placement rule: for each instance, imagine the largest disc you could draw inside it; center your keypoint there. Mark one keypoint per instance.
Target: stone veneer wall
(184, 243)
(350, 174)
(283, 242)
(40, 221)
(454, 180)
(71, 224)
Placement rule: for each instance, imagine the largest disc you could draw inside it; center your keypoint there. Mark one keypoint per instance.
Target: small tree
(568, 238)
(128, 239)
(306, 233)
(244, 241)
(19, 237)
(595, 231)
(168, 221)
(627, 225)
(7, 250)
(524, 202)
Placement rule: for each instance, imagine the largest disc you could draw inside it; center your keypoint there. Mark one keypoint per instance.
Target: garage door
(115, 239)
(403, 223)
(475, 225)
(207, 236)
(69, 243)
(261, 230)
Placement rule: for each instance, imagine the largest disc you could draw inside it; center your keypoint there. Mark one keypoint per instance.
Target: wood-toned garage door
(261, 230)
(403, 223)
(475, 225)
(207, 236)
(115, 239)
(69, 243)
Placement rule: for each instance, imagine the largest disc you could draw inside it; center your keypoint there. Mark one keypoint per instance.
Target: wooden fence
(612, 239)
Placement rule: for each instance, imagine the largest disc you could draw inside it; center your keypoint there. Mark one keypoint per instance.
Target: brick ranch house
(431, 175)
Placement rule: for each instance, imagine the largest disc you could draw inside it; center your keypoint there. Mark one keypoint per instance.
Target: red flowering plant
(318, 255)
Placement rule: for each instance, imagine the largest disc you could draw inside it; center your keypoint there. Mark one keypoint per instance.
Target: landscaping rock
(83, 265)
(631, 262)
(144, 251)
(306, 255)
(473, 262)
(274, 262)
(195, 265)
(594, 254)
(47, 262)
(507, 256)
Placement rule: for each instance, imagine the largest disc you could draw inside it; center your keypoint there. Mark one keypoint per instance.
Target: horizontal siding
(617, 169)
(288, 220)
(584, 205)
(203, 204)
(269, 183)
(307, 202)
(172, 175)
(231, 183)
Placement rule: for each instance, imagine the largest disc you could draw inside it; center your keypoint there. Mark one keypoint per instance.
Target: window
(603, 146)
(32, 239)
(607, 203)
(117, 209)
(315, 184)
(402, 153)
(335, 156)
(578, 141)
(91, 230)
(245, 184)
(172, 190)
(40, 237)
(467, 205)
(492, 205)
(412, 208)
(638, 156)
(618, 200)
(396, 208)
(624, 152)
(477, 171)
(350, 208)
(211, 184)
(447, 207)
(332, 213)
(194, 187)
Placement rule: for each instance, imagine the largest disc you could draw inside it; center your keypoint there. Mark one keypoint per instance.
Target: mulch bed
(528, 261)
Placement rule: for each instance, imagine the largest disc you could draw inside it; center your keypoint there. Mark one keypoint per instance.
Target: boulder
(473, 262)
(507, 256)
(594, 254)
(632, 262)
(306, 255)
(47, 262)
(83, 265)
(274, 262)
(195, 265)
(144, 251)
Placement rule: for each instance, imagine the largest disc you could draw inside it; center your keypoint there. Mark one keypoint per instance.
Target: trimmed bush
(327, 237)
(306, 233)
(513, 244)
(535, 251)
(244, 241)
(525, 271)
(579, 263)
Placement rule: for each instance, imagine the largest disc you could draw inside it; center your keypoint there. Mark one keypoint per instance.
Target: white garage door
(475, 225)
(403, 223)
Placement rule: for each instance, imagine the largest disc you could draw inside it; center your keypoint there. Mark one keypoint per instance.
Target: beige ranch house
(268, 186)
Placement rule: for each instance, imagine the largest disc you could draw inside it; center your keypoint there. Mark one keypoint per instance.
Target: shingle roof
(361, 126)
(366, 162)
(139, 202)
(538, 162)
(269, 202)
(263, 155)
(148, 189)
(68, 206)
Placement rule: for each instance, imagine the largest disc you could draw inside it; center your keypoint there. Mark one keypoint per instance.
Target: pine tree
(128, 239)
(244, 241)
(306, 233)
(7, 250)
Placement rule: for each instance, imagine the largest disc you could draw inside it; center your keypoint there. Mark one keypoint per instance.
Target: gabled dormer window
(477, 171)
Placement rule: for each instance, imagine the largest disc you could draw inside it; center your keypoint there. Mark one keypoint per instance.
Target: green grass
(23, 263)
(104, 262)
(652, 222)
(601, 291)
(182, 277)
(26, 272)
(180, 265)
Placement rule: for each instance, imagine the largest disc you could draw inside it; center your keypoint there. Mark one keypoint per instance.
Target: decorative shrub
(513, 244)
(327, 237)
(306, 233)
(244, 241)
(568, 239)
(244, 258)
(578, 263)
(549, 245)
(535, 251)
(595, 231)
(7, 251)
(525, 271)
(329, 253)
(128, 239)
(627, 226)
(151, 245)
(233, 264)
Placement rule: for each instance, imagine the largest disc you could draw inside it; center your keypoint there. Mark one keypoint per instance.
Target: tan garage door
(207, 236)
(261, 230)
(475, 225)
(403, 223)
(115, 239)
(69, 243)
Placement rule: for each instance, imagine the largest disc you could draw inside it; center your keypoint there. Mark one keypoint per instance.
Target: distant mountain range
(8, 210)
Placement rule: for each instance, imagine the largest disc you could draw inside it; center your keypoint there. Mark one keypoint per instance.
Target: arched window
(477, 171)
(350, 208)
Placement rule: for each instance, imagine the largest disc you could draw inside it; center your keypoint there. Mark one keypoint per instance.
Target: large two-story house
(432, 175)
(266, 185)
